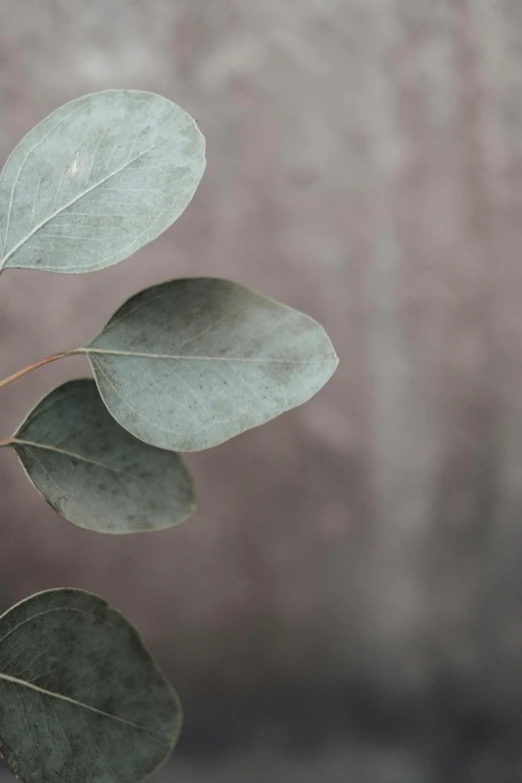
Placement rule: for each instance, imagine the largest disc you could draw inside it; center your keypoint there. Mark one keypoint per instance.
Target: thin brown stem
(36, 366)
(5, 442)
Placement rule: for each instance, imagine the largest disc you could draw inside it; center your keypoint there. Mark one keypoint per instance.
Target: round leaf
(81, 700)
(96, 180)
(188, 364)
(94, 472)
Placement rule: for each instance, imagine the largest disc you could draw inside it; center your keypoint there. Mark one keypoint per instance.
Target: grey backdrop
(365, 551)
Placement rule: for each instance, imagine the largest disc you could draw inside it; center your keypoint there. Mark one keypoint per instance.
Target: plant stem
(36, 366)
(5, 442)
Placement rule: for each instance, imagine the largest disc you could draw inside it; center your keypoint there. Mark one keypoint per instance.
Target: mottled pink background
(365, 165)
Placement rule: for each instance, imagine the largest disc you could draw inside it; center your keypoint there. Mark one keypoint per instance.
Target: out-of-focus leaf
(81, 700)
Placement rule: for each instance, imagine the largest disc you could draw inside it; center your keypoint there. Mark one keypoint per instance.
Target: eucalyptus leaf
(94, 472)
(81, 700)
(96, 180)
(191, 363)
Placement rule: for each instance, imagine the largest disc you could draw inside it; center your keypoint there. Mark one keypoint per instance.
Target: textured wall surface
(365, 165)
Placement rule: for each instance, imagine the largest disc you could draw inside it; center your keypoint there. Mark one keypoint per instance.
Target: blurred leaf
(81, 700)
(188, 364)
(96, 474)
(96, 180)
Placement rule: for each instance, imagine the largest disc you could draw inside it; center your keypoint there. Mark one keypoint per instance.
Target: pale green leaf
(188, 364)
(96, 180)
(81, 700)
(94, 472)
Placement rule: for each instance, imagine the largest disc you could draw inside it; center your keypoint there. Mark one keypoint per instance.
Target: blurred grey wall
(365, 165)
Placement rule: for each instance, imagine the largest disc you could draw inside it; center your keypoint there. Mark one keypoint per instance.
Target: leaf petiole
(20, 374)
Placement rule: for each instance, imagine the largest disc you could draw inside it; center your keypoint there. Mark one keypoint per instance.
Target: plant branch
(20, 374)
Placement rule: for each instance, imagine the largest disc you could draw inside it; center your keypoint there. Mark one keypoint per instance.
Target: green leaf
(188, 364)
(81, 700)
(96, 180)
(95, 473)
